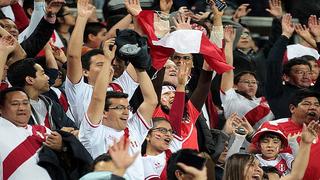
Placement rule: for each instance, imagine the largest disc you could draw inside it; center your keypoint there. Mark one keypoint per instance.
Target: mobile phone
(193, 160)
(220, 5)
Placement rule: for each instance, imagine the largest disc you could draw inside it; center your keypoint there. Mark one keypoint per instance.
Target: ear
(178, 174)
(29, 11)
(291, 108)
(91, 37)
(85, 72)
(235, 87)
(286, 78)
(29, 80)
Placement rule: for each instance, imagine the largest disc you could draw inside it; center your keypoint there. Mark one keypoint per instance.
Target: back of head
(235, 166)
(19, 70)
(174, 159)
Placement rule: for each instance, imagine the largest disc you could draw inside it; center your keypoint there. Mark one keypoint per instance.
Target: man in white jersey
(83, 71)
(20, 143)
(107, 115)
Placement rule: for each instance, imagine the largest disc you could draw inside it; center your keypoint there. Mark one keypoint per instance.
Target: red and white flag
(181, 41)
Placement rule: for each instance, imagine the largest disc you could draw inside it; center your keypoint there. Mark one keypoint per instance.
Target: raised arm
(227, 77)
(74, 66)
(314, 25)
(275, 59)
(300, 163)
(122, 24)
(96, 106)
(7, 45)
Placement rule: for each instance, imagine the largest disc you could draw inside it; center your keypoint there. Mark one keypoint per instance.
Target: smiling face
(160, 136)
(245, 41)
(170, 74)
(270, 147)
(118, 113)
(16, 108)
(300, 75)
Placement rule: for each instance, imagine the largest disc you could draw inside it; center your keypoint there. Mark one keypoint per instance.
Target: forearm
(200, 94)
(227, 77)
(123, 24)
(236, 145)
(176, 111)
(50, 60)
(147, 89)
(21, 20)
(3, 60)
(216, 35)
(301, 161)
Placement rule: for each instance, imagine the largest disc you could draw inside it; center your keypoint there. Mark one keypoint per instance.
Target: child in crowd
(270, 141)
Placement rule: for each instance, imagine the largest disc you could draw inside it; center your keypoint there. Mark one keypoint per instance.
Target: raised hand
(195, 173)
(246, 125)
(310, 133)
(314, 25)
(183, 10)
(7, 45)
(165, 5)
(201, 16)
(229, 34)
(183, 74)
(133, 7)
(215, 11)
(182, 22)
(242, 11)
(109, 49)
(53, 7)
(85, 9)
(287, 25)
(232, 123)
(119, 154)
(275, 8)
(303, 31)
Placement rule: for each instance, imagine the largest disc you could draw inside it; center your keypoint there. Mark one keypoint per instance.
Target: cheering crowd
(159, 89)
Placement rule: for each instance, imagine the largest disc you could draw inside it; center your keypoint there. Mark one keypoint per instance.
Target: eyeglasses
(182, 57)
(245, 34)
(121, 108)
(163, 130)
(249, 82)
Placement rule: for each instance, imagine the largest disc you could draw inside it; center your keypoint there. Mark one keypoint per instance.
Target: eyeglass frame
(121, 108)
(163, 130)
(181, 57)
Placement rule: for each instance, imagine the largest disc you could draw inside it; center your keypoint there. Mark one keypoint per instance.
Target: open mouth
(123, 119)
(313, 114)
(174, 74)
(167, 140)
(255, 177)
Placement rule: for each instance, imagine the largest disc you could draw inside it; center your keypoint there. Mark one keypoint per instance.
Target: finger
(248, 10)
(188, 20)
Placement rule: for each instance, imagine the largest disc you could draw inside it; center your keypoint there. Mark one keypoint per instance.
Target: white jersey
(257, 110)
(97, 139)
(19, 149)
(79, 95)
(283, 162)
(154, 165)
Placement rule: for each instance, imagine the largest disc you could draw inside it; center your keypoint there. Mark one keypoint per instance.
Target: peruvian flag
(181, 41)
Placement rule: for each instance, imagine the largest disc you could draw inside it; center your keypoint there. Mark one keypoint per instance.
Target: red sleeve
(193, 112)
(176, 112)
(22, 21)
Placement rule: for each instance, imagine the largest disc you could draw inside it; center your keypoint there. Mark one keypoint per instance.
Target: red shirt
(313, 170)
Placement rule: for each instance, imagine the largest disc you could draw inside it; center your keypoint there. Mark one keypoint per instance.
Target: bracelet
(249, 136)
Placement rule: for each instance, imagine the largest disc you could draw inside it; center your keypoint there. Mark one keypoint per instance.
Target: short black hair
(308, 58)
(3, 94)
(238, 76)
(270, 169)
(113, 94)
(105, 157)
(85, 59)
(293, 62)
(92, 28)
(19, 70)
(174, 159)
(302, 94)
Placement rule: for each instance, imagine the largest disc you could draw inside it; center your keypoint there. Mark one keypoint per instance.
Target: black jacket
(72, 163)
(38, 39)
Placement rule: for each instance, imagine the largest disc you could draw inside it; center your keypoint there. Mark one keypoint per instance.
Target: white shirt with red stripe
(257, 110)
(97, 139)
(19, 151)
(79, 95)
(283, 162)
(154, 165)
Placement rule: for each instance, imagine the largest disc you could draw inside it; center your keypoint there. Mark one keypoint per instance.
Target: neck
(297, 120)
(110, 125)
(33, 94)
(269, 159)
(152, 151)
(64, 29)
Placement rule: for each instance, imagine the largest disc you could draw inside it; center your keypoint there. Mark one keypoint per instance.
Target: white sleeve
(7, 11)
(288, 158)
(90, 135)
(138, 127)
(216, 35)
(229, 100)
(176, 143)
(127, 84)
(36, 17)
(236, 145)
